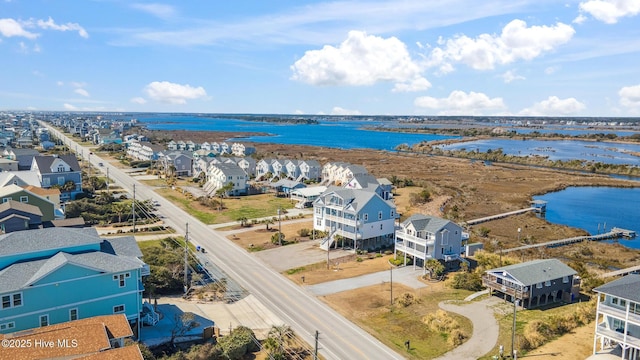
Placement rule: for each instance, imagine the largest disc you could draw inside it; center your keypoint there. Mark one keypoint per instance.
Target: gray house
(534, 283)
(58, 171)
(16, 216)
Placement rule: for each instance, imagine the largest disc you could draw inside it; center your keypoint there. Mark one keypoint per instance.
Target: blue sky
(454, 57)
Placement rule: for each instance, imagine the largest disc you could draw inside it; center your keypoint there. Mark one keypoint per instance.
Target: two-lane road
(339, 338)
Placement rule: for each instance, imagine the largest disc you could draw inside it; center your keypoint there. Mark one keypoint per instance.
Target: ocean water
(595, 151)
(334, 134)
(596, 209)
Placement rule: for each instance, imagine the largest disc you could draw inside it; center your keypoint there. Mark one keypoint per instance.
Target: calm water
(604, 152)
(594, 208)
(334, 134)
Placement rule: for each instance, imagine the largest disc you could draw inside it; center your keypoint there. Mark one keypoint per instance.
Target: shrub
(467, 281)
(304, 232)
(359, 259)
(440, 322)
(456, 337)
(407, 299)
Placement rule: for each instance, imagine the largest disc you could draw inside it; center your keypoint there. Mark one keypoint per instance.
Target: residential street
(339, 338)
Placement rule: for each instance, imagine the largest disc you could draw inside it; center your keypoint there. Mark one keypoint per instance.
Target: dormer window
(60, 168)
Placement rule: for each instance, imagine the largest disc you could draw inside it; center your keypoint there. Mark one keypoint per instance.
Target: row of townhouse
(237, 149)
(340, 173)
(297, 170)
(202, 165)
(220, 175)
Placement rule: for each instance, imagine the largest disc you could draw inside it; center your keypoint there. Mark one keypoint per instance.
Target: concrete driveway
(485, 328)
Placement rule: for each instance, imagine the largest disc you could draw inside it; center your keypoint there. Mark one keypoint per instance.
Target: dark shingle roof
(421, 222)
(20, 206)
(537, 271)
(627, 287)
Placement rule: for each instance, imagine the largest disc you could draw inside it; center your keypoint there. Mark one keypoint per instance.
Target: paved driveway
(485, 328)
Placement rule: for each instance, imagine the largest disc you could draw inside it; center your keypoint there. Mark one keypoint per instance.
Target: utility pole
(186, 260)
(133, 209)
(391, 278)
(279, 228)
(315, 352)
(513, 332)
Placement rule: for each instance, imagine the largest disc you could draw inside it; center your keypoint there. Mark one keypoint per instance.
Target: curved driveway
(485, 329)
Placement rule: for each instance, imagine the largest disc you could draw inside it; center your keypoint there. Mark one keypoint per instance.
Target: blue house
(53, 275)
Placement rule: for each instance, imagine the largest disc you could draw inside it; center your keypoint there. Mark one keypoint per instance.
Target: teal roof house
(53, 275)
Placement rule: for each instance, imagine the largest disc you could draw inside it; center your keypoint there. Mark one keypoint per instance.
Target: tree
(277, 238)
(183, 323)
(277, 339)
(434, 267)
(243, 221)
(120, 208)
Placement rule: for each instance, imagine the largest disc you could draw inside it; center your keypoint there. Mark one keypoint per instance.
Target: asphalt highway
(338, 339)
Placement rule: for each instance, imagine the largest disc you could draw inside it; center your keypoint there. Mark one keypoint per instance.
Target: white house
(618, 317)
(361, 218)
(222, 174)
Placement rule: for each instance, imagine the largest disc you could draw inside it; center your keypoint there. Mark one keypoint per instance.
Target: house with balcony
(248, 164)
(220, 175)
(53, 275)
(144, 151)
(423, 237)
(309, 170)
(178, 163)
(534, 283)
(382, 186)
(618, 318)
(362, 219)
(61, 171)
(340, 173)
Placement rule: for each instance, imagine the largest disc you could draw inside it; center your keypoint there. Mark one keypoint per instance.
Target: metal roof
(536, 271)
(627, 287)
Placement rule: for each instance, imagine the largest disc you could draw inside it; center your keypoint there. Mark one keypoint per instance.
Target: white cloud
(418, 84)
(630, 96)
(361, 60)
(10, 27)
(551, 69)
(82, 92)
(554, 106)
(340, 111)
(516, 42)
(138, 100)
(461, 103)
(159, 10)
(50, 24)
(511, 76)
(70, 107)
(609, 11)
(172, 93)
(60, 83)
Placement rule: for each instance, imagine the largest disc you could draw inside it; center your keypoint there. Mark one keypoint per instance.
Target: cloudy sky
(401, 57)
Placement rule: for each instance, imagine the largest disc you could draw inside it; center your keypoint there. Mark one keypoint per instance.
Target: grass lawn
(251, 207)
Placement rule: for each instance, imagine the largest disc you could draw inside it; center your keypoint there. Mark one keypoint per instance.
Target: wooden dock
(621, 272)
(499, 216)
(615, 233)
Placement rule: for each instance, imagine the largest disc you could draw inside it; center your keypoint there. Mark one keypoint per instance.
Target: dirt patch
(578, 344)
(342, 268)
(259, 236)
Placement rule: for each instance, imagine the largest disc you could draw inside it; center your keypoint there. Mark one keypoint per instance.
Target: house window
(380, 215)
(44, 320)
(73, 314)
(24, 199)
(392, 214)
(60, 180)
(46, 182)
(60, 168)
(118, 309)
(380, 226)
(11, 300)
(4, 200)
(7, 326)
(539, 286)
(366, 217)
(547, 283)
(614, 301)
(121, 279)
(623, 303)
(565, 279)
